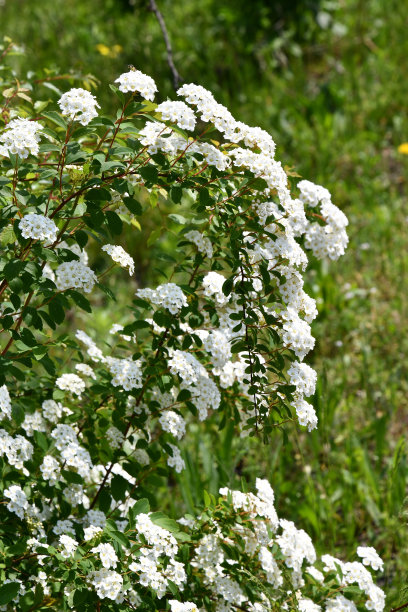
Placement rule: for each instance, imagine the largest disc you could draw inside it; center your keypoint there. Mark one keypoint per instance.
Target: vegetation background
(328, 79)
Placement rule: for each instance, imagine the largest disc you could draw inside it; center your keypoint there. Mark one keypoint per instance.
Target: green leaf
(81, 237)
(80, 300)
(154, 236)
(98, 195)
(175, 194)
(72, 477)
(149, 173)
(118, 487)
(160, 519)
(204, 197)
(8, 592)
(114, 222)
(118, 93)
(55, 118)
(13, 269)
(41, 440)
(57, 312)
(142, 506)
(133, 205)
(179, 219)
(7, 235)
(227, 286)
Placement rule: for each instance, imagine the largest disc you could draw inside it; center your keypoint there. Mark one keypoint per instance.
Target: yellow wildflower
(103, 49)
(403, 148)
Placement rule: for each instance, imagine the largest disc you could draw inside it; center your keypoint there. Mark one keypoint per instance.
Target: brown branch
(405, 605)
(176, 75)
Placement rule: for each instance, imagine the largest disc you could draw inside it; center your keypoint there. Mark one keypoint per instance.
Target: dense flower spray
(91, 424)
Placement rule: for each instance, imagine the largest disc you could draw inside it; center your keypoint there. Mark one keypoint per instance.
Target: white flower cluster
(50, 469)
(233, 130)
(217, 345)
(71, 383)
(202, 243)
(370, 557)
(75, 275)
(38, 227)
(168, 296)
(5, 403)
(158, 137)
(79, 105)
(17, 450)
(72, 455)
(175, 460)
(107, 555)
(178, 606)
(134, 80)
(355, 573)
(115, 437)
(69, 546)
(294, 548)
(173, 423)
(177, 112)
(18, 500)
(330, 239)
(52, 410)
(149, 566)
(120, 256)
(107, 583)
(212, 285)
(93, 351)
(126, 373)
(85, 370)
(21, 138)
(33, 422)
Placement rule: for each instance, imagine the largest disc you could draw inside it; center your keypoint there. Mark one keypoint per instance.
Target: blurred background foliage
(327, 78)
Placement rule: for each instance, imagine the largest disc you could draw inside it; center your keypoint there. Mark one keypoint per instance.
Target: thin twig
(176, 75)
(405, 605)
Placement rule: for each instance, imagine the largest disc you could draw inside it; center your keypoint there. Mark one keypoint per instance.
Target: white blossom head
(79, 105)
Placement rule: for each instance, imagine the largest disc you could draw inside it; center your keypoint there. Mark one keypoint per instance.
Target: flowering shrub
(88, 426)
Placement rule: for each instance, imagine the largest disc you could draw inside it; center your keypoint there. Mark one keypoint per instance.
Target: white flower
(5, 403)
(69, 546)
(79, 105)
(107, 555)
(126, 373)
(20, 138)
(173, 423)
(85, 369)
(202, 243)
(305, 413)
(120, 256)
(93, 351)
(178, 606)
(38, 227)
(312, 194)
(107, 583)
(212, 284)
(177, 112)
(304, 377)
(115, 437)
(370, 557)
(18, 501)
(175, 460)
(50, 469)
(134, 80)
(75, 275)
(72, 383)
(52, 410)
(169, 296)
